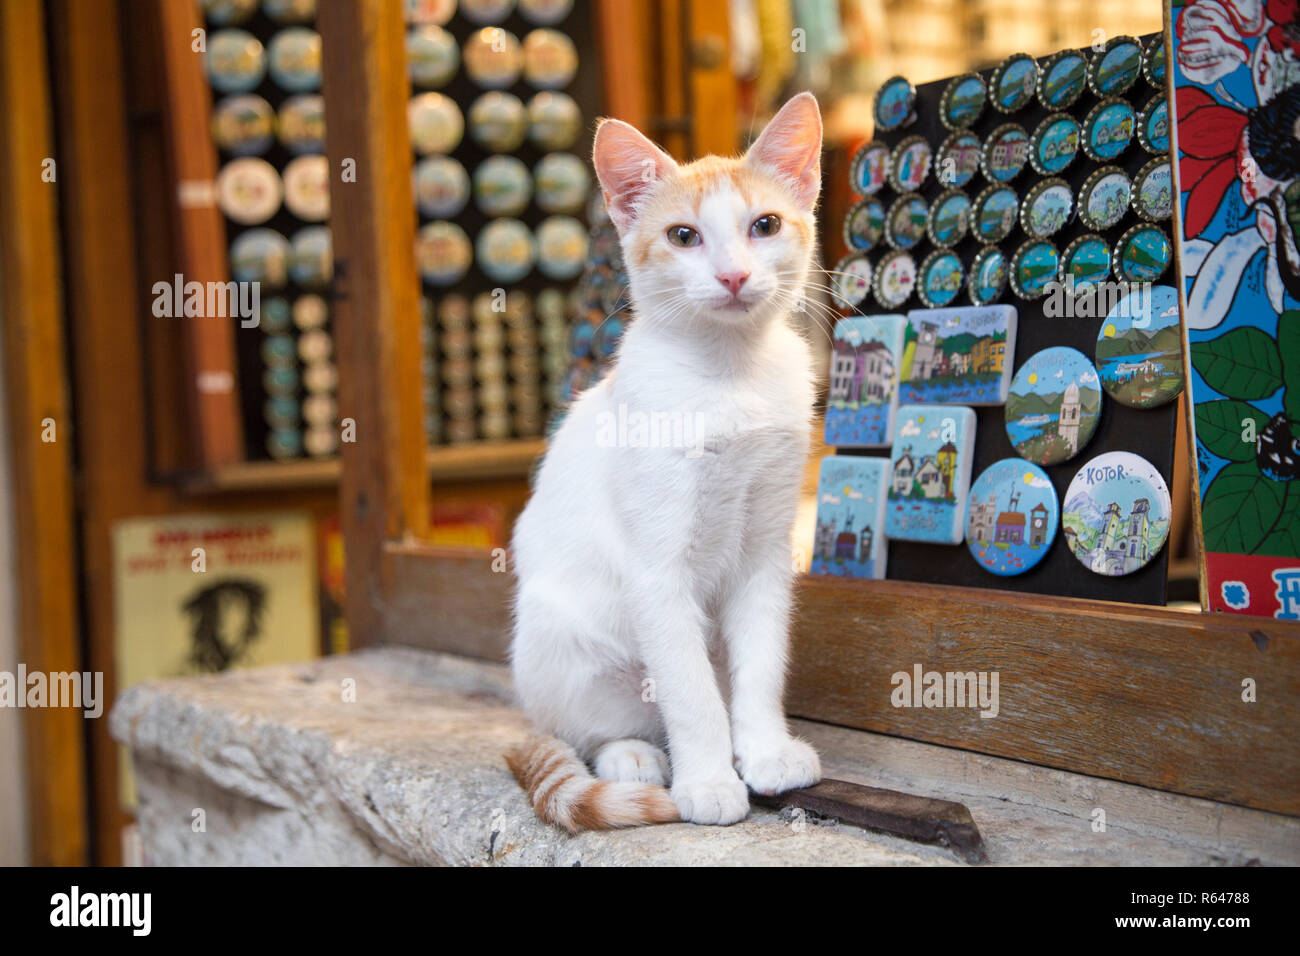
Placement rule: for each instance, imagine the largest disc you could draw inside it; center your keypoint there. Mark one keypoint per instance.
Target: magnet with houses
(960, 355)
(1143, 253)
(909, 164)
(894, 105)
(906, 222)
(930, 468)
(1154, 62)
(958, 159)
(1012, 517)
(988, 276)
(301, 123)
(1047, 208)
(941, 277)
(994, 213)
(1005, 153)
(865, 224)
(243, 125)
(1014, 83)
(1035, 266)
(1104, 198)
(962, 101)
(1153, 191)
(866, 356)
(850, 538)
(1062, 79)
(1053, 406)
(894, 280)
(1139, 348)
(869, 170)
(1117, 66)
(1108, 129)
(1116, 515)
(851, 281)
(1153, 125)
(1086, 261)
(1055, 144)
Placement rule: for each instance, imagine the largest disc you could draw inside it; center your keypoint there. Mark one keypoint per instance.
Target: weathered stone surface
(289, 769)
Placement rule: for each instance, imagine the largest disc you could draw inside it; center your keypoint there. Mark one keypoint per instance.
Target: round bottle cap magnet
(1086, 261)
(1034, 267)
(1005, 153)
(280, 382)
(493, 58)
(249, 190)
(905, 224)
(235, 60)
(275, 315)
(561, 247)
(1047, 208)
(1153, 191)
(222, 13)
(319, 409)
(315, 345)
(1108, 130)
(1116, 516)
(1053, 405)
(949, 219)
(850, 282)
(941, 278)
(865, 224)
(962, 101)
(281, 412)
(260, 255)
(554, 120)
(1104, 198)
(436, 123)
(290, 11)
(498, 121)
(1055, 144)
(1154, 62)
(958, 160)
(307, 188)
(301, 123)
(442, 252)
(320, 377)
(284, 443)
(545, 13)
(293, 57)
(320, 441)
(486, 11)
(869, 170)
(994, 213)
(561, 183)
(441, 186)
(1014, 83)
(894, 105)
(311, 257)
(502, 186)
(909, 164)
(243, 125)
(1153, 125)
(310, 312)
(505, 250)
(894, 280)
(1011, 517)
(1116, 68)
(1143, 254)
(277, 351)
(550, 59)
(1139, 348)
(432, 57)
(1062, 79)
(988, 276)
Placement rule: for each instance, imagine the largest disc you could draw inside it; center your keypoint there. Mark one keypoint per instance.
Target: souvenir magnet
(561, 183)
(961, 355)
(940, 279)
(894, 279)
(493, 58)
(545, 13)
(988, 276)
(930, 473)
(290, 11)
(1108, 129)
(436, 123)
(1116, 515)
(1055, 144)
(554, 120)
(1005, 153)
(307, 188)
(962, 101)
(909, 164)
(1104, 198)
(498, 121)
(432, 57)
(866, 354)
(260, 255)
(249, 190)
(561, 247)
(906, 222)
(293, 59)
(1153, 125)
(274, 315)
(894, 105)
(550, 59)
(505, 250)
(1047, 208)
(442, 252)
(1153, 191)
(1143, 254)
(486, 11)
(502, 186)
(1012, 517)
(1062, 79)
(850, 537)
(994, 213)
(1053, 407)
(1085, 262)
(243, 125)
(1116, 68)
(222, 13)
(311, 257)
(1155, 62)
(869, 170)
(1014, 83)
(958, 159)
(864, 225)
(1139, 348)
(441, 186)
(949, 218)
(301, 122)
(851, 281)
(235, 61)
(310, 312)
(1034, 267)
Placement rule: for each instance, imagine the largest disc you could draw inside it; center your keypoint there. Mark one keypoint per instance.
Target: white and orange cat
(655, 570)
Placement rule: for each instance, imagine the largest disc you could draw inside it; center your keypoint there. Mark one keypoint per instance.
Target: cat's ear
(627, 165)
(791, 148)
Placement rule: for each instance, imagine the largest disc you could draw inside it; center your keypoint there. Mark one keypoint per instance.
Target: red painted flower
(1284, 34)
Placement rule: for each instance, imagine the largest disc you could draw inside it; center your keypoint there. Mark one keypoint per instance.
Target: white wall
(13, 810)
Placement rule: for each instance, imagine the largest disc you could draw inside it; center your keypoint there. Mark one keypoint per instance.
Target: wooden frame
(1146, 695)
(36, 392)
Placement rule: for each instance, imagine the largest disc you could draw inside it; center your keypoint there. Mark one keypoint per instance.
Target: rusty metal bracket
(922, 819)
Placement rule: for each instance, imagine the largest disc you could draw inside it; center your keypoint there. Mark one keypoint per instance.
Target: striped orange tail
(563, 791)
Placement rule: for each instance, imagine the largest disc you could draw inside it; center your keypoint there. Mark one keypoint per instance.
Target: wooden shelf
(485, 459)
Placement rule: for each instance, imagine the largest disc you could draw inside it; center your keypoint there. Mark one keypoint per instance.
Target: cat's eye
(683, 236)
(765, 226)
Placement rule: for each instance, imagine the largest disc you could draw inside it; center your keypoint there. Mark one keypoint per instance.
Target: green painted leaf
(1240, 508)
(1243, 363)
(1219, 427)
(1288, 345)
(1284, 541)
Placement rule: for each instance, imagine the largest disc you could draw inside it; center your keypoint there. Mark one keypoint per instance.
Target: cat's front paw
(721, 801)
(785, 764)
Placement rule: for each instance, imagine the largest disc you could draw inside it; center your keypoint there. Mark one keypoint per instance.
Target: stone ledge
(410, 772)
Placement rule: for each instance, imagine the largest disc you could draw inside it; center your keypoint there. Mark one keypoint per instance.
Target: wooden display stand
(1146, 695)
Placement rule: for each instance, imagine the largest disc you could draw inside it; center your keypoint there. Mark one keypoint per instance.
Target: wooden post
(41, 430)
(384, 493)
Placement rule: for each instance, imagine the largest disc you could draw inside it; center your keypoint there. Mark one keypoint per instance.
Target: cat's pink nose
(733, 281)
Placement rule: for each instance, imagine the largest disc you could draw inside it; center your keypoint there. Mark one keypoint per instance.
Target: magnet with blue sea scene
(1154, 62)
(869, 170)
(1005, 153)
(866, 358)
(894, 280)
(1055, 144)
(895, 104)
(988, 276)
(1116, 514)
(1047, 208)
(958, 159)
(1153, 125)
(1104, 198)
(1053, 406)
(1143, 254)
(851, 281)
(941, 278)
(1153, 191)
(1011, 517)
(1116, 67)
(1014, 83)
(949, 218)
(1140, 348)
(1062, 79)
(962, 101)
(865, 224)
(994, 213)
(505, 250)
(930, 473)
(1108, 129)
(906, 222)
(432, 56)
(1086, 261)
(1034, 267)
(909, 164)
(260, 255)
(311, 257)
